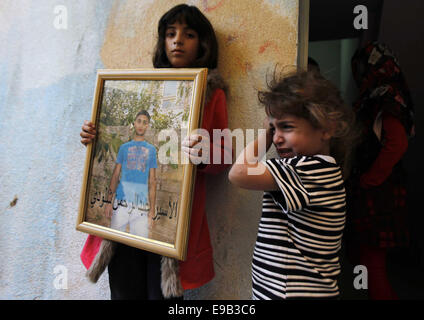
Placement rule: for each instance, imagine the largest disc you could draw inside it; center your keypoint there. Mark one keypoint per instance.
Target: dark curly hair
(310, 96)
(191, 15)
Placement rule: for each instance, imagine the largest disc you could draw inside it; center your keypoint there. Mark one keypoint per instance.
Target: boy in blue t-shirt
(135, 198)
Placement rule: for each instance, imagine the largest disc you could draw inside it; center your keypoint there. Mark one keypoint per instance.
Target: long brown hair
(194, 18)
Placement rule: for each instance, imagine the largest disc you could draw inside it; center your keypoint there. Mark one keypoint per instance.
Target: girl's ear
(329, 131)
(327, 135)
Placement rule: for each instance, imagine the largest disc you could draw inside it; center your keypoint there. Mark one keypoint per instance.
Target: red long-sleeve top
(393, 149)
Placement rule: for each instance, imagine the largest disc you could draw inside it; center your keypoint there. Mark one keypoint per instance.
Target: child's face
(141, 124)
(294, 136)
(181, 45)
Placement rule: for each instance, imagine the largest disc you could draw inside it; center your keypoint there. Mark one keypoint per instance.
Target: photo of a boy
(132, 189)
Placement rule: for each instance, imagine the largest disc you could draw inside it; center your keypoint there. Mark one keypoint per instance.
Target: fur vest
(170, 281)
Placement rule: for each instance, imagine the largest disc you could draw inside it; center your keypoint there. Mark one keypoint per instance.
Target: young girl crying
(303, 210)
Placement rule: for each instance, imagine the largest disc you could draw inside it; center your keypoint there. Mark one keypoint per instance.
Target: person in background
(377, 188)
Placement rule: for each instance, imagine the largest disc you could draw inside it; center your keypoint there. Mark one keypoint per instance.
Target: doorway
(333, 39)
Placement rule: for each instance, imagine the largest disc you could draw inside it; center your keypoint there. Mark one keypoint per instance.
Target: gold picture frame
(173, 99)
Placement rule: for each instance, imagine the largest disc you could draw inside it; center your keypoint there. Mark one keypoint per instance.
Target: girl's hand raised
(88, 133)
(269, 133)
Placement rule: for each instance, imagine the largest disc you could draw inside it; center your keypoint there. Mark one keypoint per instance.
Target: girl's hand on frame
(196, 148)
(88, 133)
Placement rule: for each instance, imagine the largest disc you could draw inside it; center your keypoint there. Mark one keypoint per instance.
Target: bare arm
(112, 189)
(247, 172)
(152, 192)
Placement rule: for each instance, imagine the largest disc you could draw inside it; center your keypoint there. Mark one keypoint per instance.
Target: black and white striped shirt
(300, 231)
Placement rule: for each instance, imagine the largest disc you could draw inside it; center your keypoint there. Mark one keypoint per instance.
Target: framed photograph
(137, 185)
